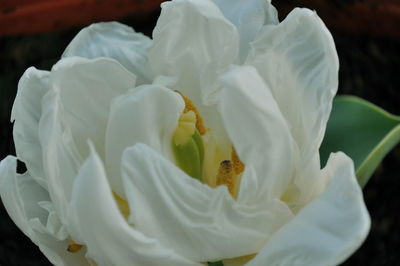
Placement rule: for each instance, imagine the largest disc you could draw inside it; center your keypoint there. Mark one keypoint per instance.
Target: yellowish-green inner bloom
(190, 150)
(188, 146)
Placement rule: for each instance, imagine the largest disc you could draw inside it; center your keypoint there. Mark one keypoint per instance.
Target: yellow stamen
(189, 106)
(73, 247)
(122, 205)
(238, 165)
(226, 176)
(186, 128)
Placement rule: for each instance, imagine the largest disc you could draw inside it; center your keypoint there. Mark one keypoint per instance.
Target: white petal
(327, 230)
(193, 42)
(147, 114)
(21, 197)
(258, 131)
(61, 158)
(117, 41)
(248, 16)
(26, 113)
(200, 222)
(74, 110)
(86, 89)
(298, 61)
(101, 227)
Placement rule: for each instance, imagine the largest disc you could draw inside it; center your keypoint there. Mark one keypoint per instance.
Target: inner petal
(204, 223)
(147, 114)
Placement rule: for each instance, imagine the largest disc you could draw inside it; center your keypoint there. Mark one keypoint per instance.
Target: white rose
(197, 146)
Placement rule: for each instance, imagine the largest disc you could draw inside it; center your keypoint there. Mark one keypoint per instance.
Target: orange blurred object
(34, 16)
(374, 17)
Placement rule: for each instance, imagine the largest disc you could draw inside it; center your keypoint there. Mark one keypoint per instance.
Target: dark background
(368, 68)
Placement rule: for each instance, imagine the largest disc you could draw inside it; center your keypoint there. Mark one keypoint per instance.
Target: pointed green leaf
(363, 131)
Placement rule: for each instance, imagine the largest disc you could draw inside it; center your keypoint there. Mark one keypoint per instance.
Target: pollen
(238, 165)
(189, 106)
(74, 247)
(226, 176)
(123, 205)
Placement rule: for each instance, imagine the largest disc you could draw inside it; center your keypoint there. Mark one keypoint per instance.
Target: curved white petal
(148, 114)
(73, 111)
(26, 113)
(248, 16)
(86, 88)
(259, 133)
(193, 42)
(327, 230)
(61, 158)
(23, 199)
(117, 41)
(197, 221)
(298, 61)
(101, 227)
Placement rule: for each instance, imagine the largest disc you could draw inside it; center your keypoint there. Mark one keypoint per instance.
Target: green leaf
(363, 131)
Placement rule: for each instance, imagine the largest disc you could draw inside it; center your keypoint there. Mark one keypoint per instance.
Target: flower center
(188, 146)
(199, 156)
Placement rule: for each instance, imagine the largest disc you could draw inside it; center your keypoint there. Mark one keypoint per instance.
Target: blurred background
(35, 33)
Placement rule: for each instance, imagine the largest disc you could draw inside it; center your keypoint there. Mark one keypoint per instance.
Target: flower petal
(248, 16)
(298, 61)
(68, 120)
(117, 41)
(102, 228)
(26, 113)
(258, 131)
(327, 230)
(86, 89)
(197, 221)
(61, 158)
(22, 198)
(148, 114)
(192, 43)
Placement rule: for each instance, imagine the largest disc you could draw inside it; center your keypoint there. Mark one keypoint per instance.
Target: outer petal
(117, 41)
(199, 222)
(248, 16)
(75, 110)
(298, 61)
(147, 114)
(101, 227)
(23, 199)
(327, 230)
(96, 82)
(258, 131)
(61, 157)
(26, 113)
(192, 43)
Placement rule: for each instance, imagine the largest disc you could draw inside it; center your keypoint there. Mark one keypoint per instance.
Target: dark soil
(369, 68)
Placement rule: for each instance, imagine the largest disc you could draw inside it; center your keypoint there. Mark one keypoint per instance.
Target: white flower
(101, 135)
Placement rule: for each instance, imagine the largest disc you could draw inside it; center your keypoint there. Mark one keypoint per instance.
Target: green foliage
(363, 131)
